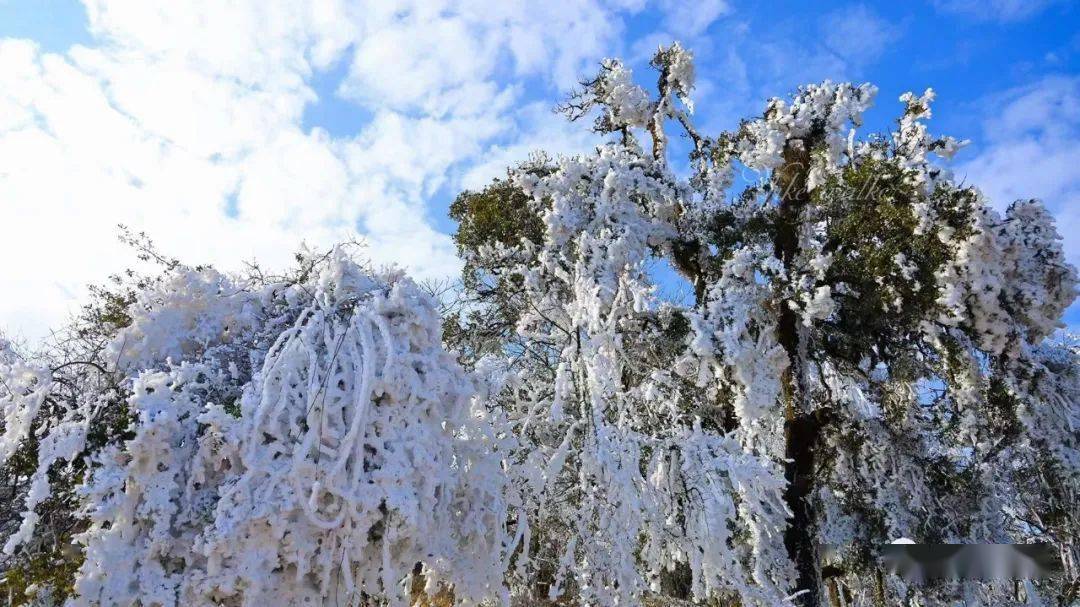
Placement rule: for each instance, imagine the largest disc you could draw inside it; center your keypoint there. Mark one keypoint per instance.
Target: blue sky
(234, 133)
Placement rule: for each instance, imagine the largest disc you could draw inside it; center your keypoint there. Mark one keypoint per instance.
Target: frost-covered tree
(864, 358)
(299, 440)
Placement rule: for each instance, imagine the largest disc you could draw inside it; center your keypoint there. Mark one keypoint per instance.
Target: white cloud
(82, 164)
(424, 55)
(1032, 137)
(857, 34)
(995, 10)
(269, 44)
(178, 108)
(690, 19)
(539, 129)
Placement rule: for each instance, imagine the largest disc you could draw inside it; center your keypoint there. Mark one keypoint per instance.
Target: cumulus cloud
(443, 57)
(185, 120)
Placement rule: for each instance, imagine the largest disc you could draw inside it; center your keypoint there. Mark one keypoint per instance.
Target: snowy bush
(287, 444)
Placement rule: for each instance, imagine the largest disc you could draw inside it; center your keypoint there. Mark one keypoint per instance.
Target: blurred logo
(924, 562)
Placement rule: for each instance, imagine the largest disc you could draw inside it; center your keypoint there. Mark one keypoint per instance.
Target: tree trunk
(801, 427)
